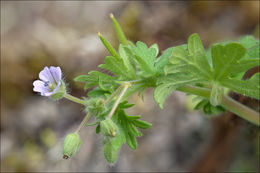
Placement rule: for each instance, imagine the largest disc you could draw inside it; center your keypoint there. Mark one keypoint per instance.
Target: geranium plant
(209, 75)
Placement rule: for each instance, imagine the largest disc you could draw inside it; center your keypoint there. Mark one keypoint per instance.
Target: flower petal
(45, 75)
(57, 88)
(49, 93)
(39, 86)
(56, 73)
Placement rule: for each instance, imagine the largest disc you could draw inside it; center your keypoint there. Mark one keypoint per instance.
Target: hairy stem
(74, 99)
(114, 94)
(126, 86)
(204, 92)
(227, 102)
(240, 110)
(83, 122)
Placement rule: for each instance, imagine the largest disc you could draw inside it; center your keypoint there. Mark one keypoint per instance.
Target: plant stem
(74, 99)
(240, 110)
(114, 94)
(126, 86)
(227, 102)
(83, 122)
(204, 92)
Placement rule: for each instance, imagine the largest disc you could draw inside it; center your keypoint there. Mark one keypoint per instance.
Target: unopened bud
(96, 106)
(71, 145)
(108, 128)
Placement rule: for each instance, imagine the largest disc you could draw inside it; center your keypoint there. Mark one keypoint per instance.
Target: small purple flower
(50, 81)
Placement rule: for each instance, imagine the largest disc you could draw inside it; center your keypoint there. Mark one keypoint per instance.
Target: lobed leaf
(250, 87)
(226, 57)
(192, 61)
(95, 78)
(252, 46)
(117, 66)
(162, 61)
(167, 84)
(145, 56)
(127, 125)
(125, 54)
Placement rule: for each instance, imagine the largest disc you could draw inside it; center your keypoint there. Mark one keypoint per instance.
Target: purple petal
(45, 75)
(47, 94)
(56, 73)
(39, 86)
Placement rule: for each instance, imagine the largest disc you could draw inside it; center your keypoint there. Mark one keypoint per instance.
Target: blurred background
(35, 34)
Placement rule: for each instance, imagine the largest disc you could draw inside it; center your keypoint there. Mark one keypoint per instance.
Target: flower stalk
(74, 99)
(125, 87)
(114, 94)
(83, 122)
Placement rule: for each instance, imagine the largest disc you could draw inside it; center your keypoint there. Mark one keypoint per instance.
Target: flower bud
(110, 153)
(96, 106)
(108, 127)
(60, 92)
(71, 145)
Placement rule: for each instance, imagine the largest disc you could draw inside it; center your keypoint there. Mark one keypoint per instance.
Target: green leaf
(230, 62)
(250, 87)
(171, 69)
(161, 92)
(162, 61)
(134, 88)
(125, 105)
(95, 78)
(131, 141)
(145, 56)
(127, 125)
(198, 54)
(243, 65)
(97, 92)
(132, 117)
(201, 104)
(116, 66)
(192, 61)
(127, 59)
(252, 46)
(167, 84)
(156, 49)
(98, 129)
(224, 58)
(142, 124)
(207, 108)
